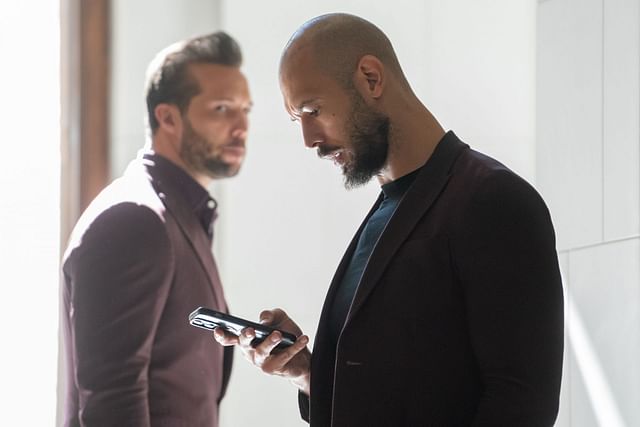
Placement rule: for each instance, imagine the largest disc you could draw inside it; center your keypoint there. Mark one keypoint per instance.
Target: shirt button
(211, 204)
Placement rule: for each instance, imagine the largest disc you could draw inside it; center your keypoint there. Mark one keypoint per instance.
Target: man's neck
(412, 140)
(168, 151)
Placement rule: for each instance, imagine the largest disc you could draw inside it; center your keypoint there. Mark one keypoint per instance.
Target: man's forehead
(300, 89)
(300, 74)
(298, 55)
(207, 70)
(219, 77)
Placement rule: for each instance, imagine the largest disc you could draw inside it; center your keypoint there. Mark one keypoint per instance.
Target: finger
(274, 317)
(246, 336)
(276, 362)
(244, 344)
(278, 316)
(224, 338)
(266, 317)
(264, 349)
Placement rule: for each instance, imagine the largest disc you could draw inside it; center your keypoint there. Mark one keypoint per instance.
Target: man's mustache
(326, 150)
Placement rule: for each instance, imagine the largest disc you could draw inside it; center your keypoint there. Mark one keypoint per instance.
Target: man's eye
(221, 109)
(313, 112)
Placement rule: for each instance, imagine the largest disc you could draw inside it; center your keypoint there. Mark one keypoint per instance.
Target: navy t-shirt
(393, 193)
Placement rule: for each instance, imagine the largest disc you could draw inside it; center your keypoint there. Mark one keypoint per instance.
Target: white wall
(140, 29)
(29, 210)
(588, 170)
(286, 219)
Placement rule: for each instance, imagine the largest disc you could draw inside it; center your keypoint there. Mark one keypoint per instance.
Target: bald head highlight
(337, 42)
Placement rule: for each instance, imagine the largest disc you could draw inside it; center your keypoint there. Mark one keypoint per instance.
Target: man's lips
(233, 151)
(234, 148)
(337, 155)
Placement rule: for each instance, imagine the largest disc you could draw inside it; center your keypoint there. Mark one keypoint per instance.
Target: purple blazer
(137, 264)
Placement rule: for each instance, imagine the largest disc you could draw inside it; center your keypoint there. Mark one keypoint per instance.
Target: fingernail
(304, 340)
(275, 337)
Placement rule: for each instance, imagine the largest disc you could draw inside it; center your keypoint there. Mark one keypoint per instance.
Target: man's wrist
(303, 383)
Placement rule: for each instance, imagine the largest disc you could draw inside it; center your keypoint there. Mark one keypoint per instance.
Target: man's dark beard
(194, 151)
(369, 136)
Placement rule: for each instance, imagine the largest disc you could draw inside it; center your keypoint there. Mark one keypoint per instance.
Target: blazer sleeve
(303, 405)
(508, 268)
(118, 280)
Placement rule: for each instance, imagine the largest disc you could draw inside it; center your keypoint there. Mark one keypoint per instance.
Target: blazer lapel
(419, 198)
(321, 358)
(195, 235)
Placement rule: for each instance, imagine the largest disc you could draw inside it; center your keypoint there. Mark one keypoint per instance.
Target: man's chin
(355, 180)
(221, 171)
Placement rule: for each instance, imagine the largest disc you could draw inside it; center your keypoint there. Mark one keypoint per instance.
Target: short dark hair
(168, 78)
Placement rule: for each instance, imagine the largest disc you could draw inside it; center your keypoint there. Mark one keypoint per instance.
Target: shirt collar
(396, 189)
(195, 195)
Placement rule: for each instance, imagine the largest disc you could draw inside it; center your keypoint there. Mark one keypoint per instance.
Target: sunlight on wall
(29, 210)
(597, 386)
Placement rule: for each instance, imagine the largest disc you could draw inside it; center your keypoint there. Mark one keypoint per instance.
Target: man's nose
(311, 134)
(241, 127)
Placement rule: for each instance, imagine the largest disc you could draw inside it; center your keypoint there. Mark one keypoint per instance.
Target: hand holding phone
(293, 364)
(209, 319)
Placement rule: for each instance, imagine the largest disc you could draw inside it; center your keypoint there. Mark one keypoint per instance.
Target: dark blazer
(458, 318)
(138, 263)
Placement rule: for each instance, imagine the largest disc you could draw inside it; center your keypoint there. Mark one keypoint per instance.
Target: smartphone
(209, 319)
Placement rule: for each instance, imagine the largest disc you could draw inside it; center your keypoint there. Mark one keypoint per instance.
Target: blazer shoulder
(486, 178)
(127, 213)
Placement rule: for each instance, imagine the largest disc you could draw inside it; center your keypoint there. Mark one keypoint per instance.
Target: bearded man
(447, 307)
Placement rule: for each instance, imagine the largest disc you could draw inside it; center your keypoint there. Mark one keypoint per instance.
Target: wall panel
(621, 118)
(569, 117)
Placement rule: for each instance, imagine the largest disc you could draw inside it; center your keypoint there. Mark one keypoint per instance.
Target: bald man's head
(337, 42)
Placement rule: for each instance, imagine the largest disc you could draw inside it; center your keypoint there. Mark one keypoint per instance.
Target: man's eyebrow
(220, 98)
(297, 111)
(231, 100)
(305, 102)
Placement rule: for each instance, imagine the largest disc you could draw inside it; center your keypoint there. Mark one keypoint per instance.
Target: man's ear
(370, 76)
(169, 119)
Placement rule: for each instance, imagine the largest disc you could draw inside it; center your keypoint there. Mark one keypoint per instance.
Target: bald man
(447, 307)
